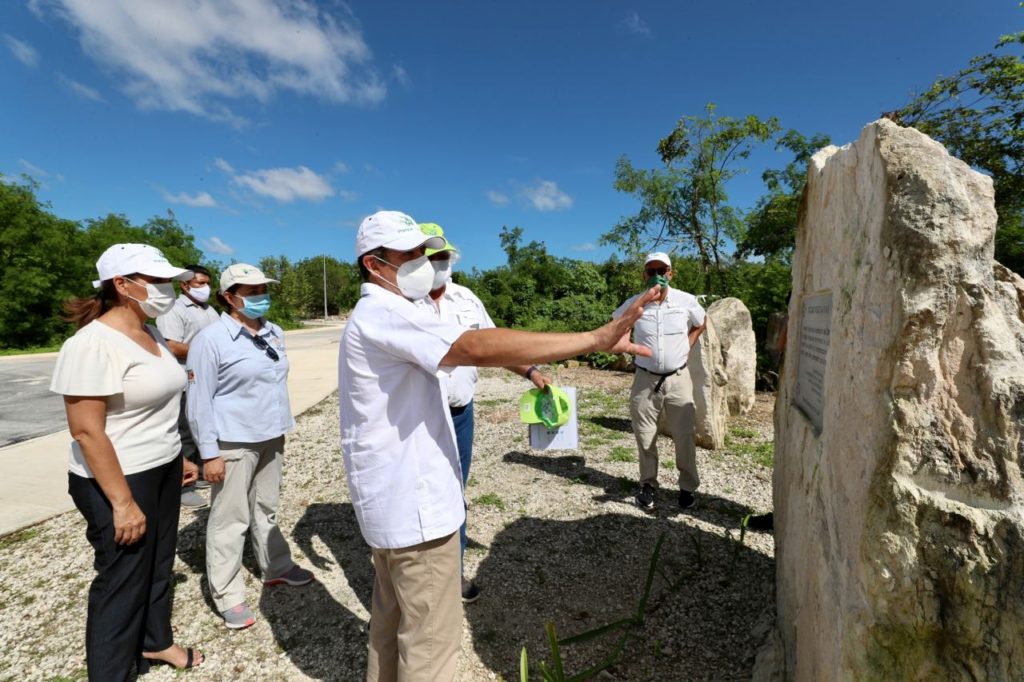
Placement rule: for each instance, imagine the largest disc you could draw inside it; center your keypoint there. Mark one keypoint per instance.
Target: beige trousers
(645, 406)
(416, 616)
(246, 500)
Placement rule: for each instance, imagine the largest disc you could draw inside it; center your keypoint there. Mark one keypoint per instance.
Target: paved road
(29, 409)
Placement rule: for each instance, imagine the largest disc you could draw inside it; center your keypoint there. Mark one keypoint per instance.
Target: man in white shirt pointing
(398, 442)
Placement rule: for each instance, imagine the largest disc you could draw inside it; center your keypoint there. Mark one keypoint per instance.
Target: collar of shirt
(236, 328)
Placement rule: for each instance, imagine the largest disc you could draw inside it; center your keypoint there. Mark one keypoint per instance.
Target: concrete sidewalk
(34, 483)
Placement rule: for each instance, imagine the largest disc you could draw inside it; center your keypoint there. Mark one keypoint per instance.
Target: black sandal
(190, 661)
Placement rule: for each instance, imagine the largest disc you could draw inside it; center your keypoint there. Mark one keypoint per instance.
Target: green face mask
(657, 280)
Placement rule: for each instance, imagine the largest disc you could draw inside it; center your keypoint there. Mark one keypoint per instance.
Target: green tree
(40, 266)
(978, 114)
(771, 225)
(684, 204)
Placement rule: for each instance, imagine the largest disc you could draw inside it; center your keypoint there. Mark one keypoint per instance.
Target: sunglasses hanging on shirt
(262, 344)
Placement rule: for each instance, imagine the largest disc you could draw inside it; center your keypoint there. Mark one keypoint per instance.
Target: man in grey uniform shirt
(190, 314)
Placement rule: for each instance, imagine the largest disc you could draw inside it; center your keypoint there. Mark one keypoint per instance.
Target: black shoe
(470, 592)
(645, 498)
(686, 499)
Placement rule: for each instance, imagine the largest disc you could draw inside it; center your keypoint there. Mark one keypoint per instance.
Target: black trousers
(189, 449)
(131, 596)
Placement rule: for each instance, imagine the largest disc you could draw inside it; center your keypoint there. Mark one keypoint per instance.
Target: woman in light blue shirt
(238, 411)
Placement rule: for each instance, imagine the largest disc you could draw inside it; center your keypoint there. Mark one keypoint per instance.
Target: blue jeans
(462, 418)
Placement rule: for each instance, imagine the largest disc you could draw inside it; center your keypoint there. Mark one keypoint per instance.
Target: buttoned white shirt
(665, 330)
(397, 438)
(236, 391)
(460, 306)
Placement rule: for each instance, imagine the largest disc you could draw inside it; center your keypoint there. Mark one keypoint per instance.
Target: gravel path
(553, 537)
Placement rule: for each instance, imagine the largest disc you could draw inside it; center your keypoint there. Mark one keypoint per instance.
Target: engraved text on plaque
(815, 331)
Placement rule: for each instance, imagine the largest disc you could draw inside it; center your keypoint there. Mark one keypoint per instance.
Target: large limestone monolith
(707, 372)
(736, 334)
(899, 501)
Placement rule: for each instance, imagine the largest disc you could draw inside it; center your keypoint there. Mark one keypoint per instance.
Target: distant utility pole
(325, 287)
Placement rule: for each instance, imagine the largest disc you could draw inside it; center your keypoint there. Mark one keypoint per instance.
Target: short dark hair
(198, 270)
(379, 252)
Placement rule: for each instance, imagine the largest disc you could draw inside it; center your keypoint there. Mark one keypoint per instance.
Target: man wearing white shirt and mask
(190, 315)
(669, 326)
(398, 441)
(457, 304)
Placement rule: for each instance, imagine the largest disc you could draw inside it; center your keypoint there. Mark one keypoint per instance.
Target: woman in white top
(121, 388)
(238, 411)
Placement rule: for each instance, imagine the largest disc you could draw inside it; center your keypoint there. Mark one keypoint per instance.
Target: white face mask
(159, 298)
(414, 277)
(442, 273)
(201, 294)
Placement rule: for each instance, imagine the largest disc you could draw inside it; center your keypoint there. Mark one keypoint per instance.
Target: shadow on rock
(720, 511)
(587, 573)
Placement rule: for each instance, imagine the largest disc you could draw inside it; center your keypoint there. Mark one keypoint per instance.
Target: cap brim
(408, 242)
(168, 271)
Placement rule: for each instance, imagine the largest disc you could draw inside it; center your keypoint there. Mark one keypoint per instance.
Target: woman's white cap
(243, 273)
(129, 259)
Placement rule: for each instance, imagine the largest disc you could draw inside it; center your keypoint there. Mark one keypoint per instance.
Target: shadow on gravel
(587, 573)
(720, 511)
(612, 423)
(324, 639)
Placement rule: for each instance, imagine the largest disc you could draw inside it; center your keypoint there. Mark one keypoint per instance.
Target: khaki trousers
(416, 616)
(246, 500)
(645, 406)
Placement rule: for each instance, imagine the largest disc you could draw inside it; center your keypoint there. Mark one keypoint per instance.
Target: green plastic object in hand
(549, 407)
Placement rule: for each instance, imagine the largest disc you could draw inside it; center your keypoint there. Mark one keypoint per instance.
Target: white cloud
(287, 184)
(545, 196)
(223, 165)
(201, 57)
(401, 75)
(81, 89)
(33, 170)
(200, 200)
(215, 245)
(587, 246)
(348, 195)
(340, 167)
(497, 198)
(22, 51)
(635, 25)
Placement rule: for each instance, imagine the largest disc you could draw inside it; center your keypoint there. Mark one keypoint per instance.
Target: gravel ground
(553, 537)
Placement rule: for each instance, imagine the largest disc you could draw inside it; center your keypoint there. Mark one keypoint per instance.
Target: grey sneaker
(192, 500)
(238, 617)
(294, 576)
(201, 484)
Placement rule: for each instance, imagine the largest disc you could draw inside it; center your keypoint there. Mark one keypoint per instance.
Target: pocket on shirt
(676, 322)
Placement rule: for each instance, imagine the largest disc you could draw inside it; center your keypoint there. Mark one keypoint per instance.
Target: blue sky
(273, 126)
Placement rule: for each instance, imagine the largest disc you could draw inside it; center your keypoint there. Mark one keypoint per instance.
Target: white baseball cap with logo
(243, 273)
(130, 259)
(393, 230)
(658, 257)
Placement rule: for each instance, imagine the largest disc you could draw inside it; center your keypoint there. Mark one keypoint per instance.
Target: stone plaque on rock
(815, 332)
